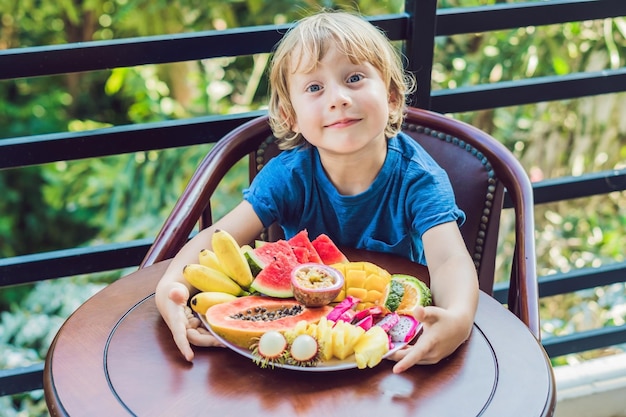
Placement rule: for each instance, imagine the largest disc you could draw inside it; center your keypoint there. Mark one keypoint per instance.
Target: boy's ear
(394, 102)
(293, 125)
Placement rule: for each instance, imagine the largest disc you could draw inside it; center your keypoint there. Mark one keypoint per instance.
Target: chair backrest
(480, 169)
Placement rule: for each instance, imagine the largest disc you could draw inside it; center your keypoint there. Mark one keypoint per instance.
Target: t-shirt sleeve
(272, 192)
(259, 194)
(432, 202)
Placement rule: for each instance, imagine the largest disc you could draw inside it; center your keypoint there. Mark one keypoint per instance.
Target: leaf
(115, 81)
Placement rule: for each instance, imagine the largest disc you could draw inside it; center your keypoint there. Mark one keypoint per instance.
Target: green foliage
(25, 208)
(28, 327)
(31, 106)
(31, 404)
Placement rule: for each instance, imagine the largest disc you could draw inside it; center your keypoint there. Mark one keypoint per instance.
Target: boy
(336, 105)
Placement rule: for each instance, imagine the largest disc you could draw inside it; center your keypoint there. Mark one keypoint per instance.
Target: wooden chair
(480, 169)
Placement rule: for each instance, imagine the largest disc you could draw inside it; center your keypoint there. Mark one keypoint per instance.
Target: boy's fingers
(193, 322)
(201, 337)
(179, 294)
(416, 355)
(428, 314)
(193, 333)
(179, 320)
(419, 313)
(180, 338)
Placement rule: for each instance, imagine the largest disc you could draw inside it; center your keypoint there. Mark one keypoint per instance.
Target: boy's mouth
(342, 123)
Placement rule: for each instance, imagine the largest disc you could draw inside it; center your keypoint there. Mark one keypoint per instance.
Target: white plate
(323, 366)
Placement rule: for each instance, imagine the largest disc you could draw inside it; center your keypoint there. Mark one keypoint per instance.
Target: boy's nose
(339, 97)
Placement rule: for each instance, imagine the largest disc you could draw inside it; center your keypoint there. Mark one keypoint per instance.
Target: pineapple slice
(353, 334)
(311, 329)
(371, 347)
(339, 348)
(324, 336)
(345, 337)
(298, 329)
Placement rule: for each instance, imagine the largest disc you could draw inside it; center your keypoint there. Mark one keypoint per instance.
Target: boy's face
(340, 107)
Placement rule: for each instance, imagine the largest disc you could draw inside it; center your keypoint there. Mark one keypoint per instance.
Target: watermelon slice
(278, 259)
(303, 249)
(275, 277)
(327, 250)
(268, 252)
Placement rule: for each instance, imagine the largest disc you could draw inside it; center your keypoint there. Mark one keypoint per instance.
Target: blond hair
(357, 39)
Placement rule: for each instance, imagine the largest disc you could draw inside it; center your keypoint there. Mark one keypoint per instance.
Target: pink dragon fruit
(347, 316)
(366, 322)
(388, 322)
(405, 329)
(346, 304)
(371, 311)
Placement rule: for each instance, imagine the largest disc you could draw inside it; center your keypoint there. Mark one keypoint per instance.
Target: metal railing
(417, 27)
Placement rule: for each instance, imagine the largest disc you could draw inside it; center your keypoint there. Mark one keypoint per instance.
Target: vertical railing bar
(420, 47)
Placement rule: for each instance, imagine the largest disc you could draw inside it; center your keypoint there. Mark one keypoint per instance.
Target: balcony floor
(595, 388)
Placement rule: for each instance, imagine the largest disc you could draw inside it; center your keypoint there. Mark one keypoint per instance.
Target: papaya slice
(242, 320)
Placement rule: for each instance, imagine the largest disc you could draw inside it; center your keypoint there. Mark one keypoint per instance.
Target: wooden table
(115, 356)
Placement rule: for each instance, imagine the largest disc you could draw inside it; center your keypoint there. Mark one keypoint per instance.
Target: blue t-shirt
(410, 194)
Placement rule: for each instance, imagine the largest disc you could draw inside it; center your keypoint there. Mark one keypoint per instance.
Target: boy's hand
(442, 334)
(185, 327)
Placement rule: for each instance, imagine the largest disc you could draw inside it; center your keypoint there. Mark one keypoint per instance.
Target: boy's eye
(313, 88)
(355, 78)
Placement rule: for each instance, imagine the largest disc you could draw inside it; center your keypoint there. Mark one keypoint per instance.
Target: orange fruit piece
(416, 293)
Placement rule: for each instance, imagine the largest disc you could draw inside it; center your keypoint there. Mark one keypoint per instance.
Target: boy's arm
(173, 291)
(453, 278)
(454, 286)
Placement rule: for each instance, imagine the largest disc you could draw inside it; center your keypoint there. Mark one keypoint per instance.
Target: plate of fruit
(301, 304)
(317, 341)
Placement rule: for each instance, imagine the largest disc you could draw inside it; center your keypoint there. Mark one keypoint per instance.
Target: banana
(205, 278)
(201, 302)
(232, 261)
(209, 258)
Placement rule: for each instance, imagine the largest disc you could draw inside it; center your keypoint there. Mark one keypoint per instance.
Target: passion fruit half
(316, 285)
